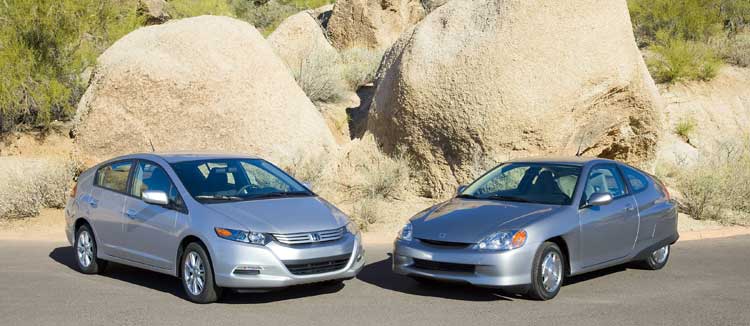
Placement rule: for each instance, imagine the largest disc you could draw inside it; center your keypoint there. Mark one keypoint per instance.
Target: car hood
(283, 215)
(470, 220)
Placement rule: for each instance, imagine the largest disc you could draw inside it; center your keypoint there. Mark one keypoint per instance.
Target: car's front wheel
(197, 275)
(85, 250)
(548, 272)
(657, 259)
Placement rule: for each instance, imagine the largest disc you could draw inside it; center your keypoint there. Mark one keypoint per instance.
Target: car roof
(565, 160)
(176, 157)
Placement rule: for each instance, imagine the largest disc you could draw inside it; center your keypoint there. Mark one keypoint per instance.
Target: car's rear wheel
(657, 259)
(197, 275)
(85, 251)
(548, 272)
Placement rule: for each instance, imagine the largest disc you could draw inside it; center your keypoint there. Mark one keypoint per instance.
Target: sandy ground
(50, 226)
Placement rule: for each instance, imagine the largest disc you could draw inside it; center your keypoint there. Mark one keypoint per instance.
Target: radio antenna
(152, 145)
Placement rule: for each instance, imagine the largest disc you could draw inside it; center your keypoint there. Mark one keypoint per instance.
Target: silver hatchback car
(214, 220)
(527, 224)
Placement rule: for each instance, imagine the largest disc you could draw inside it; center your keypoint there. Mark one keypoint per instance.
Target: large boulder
(300, 37)
(374, 24)
(203, 83)
(480, 81)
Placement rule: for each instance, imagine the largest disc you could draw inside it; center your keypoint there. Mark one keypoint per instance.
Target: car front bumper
(510, 268)
(270, 262)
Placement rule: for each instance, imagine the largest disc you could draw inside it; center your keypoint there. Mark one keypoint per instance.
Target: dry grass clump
(319, 76)
(32, 184)
(735, 49)
(718, 187)
(359, 66)
(360, 177)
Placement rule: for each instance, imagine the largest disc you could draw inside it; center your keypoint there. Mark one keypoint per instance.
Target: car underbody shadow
(172, 285)
(570, 280)
(380, 274)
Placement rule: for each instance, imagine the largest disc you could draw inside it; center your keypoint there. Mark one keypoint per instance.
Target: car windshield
(221, 180)
(526, 182)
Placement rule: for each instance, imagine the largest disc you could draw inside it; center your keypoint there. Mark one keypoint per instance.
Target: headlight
(242, 236)
(504, 240)
(352, 228)
(406, 232)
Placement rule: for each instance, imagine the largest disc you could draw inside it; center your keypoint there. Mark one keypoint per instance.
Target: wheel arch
(188, 239)
(560, 242)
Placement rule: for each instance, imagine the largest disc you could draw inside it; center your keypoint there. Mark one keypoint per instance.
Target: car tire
(548, 272)
(197, 275)
(657, 259)
(85, 251)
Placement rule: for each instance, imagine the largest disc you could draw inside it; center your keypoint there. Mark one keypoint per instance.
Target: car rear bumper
(243, 266)
(510, 268)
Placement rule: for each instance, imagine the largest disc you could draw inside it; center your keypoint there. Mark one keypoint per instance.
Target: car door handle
(130, 213)
(93, 202)
(629, 208)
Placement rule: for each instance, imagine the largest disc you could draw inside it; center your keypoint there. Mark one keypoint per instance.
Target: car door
(150, 233)
(608, 232)
(107, 201)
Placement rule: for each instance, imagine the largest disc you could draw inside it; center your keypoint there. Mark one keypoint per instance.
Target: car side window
(604, 179)
(637, 181)
(114, 176)
(151, 176)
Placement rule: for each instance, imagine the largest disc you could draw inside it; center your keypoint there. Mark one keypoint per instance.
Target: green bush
(320, 77)
(679, 60)
(191, 8)
(683, 33)
(735, 49)
(684, 128)
(45, 45)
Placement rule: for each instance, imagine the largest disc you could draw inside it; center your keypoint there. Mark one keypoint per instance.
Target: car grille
(317, 266)
(444, 267)
(445, 244)
(310, 237)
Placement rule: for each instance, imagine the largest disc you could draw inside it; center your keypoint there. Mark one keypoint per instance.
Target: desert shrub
(192, 8)
(30, 185)
(678, 60)
(45, 45)
(735, 49)
(718, 187)
(266, 15)
(359, 66)
(682, 34)
(365, 212)
(685, 127)
(319, 75)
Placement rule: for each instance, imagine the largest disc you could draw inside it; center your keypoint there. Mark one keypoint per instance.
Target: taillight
(74, 190)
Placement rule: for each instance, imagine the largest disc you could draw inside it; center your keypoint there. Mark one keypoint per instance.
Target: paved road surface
(706, 283)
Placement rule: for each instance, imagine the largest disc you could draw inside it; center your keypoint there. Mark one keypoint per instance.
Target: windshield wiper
(218, 197)
(281, 194)
(467, 196)
(508, 198)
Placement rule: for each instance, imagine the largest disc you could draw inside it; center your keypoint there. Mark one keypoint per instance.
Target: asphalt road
(705, 283)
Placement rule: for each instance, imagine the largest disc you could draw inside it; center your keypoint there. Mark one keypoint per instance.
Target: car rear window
(637, 181)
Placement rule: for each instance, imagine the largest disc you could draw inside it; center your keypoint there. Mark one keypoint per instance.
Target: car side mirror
(155, 197)
(307, 185)
(460, 189)
(599, 199)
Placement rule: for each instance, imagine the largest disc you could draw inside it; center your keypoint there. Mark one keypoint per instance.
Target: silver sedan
(215, 221)
(527, 224)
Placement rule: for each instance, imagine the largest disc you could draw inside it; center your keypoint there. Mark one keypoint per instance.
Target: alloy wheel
(85, 249)
(194, 273)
